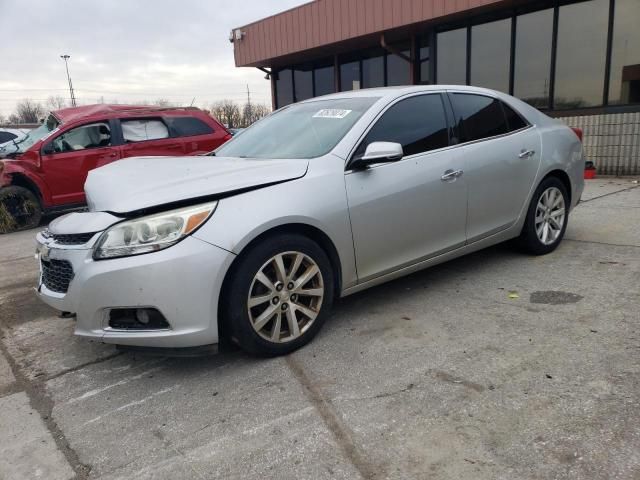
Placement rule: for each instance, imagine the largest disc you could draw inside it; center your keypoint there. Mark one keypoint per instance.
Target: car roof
(71, 114)
(403, 90)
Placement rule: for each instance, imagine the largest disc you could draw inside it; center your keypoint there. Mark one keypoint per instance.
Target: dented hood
(146, 182)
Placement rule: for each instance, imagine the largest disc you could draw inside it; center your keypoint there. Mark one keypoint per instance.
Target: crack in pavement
(601, 243)
(332, 420)
(607, 194)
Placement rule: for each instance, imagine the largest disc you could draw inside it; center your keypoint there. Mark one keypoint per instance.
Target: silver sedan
(320, 199)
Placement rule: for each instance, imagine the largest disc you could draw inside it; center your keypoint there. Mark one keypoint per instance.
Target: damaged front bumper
(182, 282)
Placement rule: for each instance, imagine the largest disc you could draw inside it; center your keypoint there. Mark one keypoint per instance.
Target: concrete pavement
(494, 366)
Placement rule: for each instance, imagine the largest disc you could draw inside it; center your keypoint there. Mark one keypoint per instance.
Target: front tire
(279, 295)
(547, 218)
(20, 209)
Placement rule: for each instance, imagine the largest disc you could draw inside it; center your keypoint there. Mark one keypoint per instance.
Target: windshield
(303, 130)
(33, 136)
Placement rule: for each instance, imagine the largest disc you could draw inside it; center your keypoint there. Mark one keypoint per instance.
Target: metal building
(577, 60)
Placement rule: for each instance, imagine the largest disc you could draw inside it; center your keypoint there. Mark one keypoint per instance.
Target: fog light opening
(137, 319)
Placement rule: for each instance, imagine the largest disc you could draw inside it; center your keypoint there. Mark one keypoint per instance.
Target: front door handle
(527, 153)
(451, 175)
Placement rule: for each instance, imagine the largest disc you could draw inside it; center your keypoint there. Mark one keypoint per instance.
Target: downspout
(398, 53)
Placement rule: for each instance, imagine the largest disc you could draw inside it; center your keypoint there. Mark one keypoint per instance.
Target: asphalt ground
(497, 365)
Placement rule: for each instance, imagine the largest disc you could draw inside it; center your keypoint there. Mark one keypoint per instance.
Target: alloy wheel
(550, 214)
(285, 297)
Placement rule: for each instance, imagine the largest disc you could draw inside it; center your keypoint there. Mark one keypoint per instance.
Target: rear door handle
(527, 153)
(451, 175)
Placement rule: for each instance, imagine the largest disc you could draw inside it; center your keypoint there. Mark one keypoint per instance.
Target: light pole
(73, 97)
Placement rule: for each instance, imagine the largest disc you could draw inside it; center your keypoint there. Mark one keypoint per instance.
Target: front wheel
(279, 295)
(547, 218)
(19, 209)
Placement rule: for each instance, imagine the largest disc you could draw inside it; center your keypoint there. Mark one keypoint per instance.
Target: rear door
(407, 211)
(196, 135)
(68, 157)
(501, 154)
(148, 136)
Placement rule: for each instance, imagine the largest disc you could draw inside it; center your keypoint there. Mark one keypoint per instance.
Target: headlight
(152, 233)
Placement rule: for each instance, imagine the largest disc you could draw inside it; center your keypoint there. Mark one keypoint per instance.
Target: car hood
(141, 183)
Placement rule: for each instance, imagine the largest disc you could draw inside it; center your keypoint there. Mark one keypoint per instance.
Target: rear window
(144, 129)
(188, 126)
(478, 116)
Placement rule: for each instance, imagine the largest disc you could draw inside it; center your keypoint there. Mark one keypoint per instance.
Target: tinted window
(6, 136)
(94, 135)
(624, 85)
(534, 34)
(188, 126)
(373, 72)
(490, 47)
(144, 129)
(324, 79)
(350, 76)
(425, 60)
(452, 57)
(582, 46)
(478, 117)
(303, 84)
(514, 120)
(417, 123)
(284, 88)
(398, 68)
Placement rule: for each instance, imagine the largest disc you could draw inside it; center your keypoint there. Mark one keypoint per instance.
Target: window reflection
(303, 84)
(350, 76)
(490, 55)
(284, 88)
(324, 80)
(624, 84)
(452, 57)
(373, 72)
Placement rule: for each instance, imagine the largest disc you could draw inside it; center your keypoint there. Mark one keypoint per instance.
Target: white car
(320, 199)
(10, 135)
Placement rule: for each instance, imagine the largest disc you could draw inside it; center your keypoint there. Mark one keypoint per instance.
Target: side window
(6, 136)
(514, 120)
(188, 126)
(477, 116)
(93, 135)
(143, 129)
(417, 123)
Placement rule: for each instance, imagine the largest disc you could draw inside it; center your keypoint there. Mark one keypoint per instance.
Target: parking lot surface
(497, 365)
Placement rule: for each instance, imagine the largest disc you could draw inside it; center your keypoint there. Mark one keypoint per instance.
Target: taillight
(578, 132)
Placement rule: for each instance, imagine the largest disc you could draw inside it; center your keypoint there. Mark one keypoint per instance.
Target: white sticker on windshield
(332, 113)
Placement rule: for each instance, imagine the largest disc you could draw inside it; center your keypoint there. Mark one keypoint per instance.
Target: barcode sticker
(332, 113)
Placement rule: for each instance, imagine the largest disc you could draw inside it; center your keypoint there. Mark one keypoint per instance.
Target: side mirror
(48, 149)
(379, 152)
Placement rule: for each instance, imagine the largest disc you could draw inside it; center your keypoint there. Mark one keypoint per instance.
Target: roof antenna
(192, 101)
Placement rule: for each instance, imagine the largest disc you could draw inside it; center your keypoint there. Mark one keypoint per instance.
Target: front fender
(13, 170)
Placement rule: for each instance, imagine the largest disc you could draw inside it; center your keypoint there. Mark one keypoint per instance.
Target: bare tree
(162, 102)
(227, 112)
(257, 111)
(29, 111)
(56, 103)
(3, 119)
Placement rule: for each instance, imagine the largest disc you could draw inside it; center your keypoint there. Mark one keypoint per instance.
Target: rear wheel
(547, 218)
(279, 295)
(20, 209)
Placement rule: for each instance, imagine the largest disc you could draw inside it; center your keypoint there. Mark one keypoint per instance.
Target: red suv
(47, 169)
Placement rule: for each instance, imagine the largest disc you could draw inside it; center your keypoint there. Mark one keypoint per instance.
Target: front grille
(72, 238)
(57, 275)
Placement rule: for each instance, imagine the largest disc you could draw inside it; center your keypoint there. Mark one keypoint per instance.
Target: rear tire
(20, 209)
(547, 218)
(279, 295)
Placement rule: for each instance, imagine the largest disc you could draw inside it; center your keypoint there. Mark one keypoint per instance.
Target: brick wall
(611, 142)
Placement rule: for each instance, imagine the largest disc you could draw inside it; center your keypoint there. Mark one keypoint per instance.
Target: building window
(452, 57)
(324, 80)
(624, 83)
(581, 54)
(424, 53)
(284, 88)
(534, 39)
(350, 76)
(302, 84)
(490, 55)
(373, 72)
(398, 69)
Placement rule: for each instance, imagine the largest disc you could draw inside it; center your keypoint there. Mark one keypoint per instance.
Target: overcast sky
(128, 50)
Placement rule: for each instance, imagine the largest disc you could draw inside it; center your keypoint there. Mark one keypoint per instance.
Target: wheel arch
(21, 180)
(563, 177)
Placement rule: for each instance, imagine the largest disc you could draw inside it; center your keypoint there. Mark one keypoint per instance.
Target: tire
(256, 329)
(545, 208)
(20, 209)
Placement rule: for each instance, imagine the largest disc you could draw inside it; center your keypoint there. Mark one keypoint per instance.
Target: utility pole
(248, 96)
(73, 96)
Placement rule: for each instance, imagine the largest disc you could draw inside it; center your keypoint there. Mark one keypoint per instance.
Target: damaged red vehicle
(46, 170)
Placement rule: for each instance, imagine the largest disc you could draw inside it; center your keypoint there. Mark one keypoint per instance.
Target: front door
(68, 158)
(405, 211)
